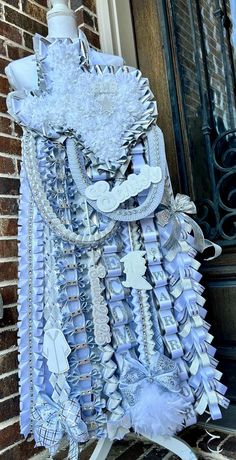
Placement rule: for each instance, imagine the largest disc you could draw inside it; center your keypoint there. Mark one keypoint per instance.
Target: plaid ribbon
(52, 421)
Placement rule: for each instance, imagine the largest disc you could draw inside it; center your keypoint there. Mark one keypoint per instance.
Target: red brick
(42, 3)
(7, 339)
(14, 3)
(8, 271)
(8, 206)
(76, 4)
(10, 32)
(33, 10)
(9, 186)
(9, 145)
(86, 453)
(3, 50)
(22, 451)
(9, 408)
(92, 37)
(4, 85)
(88, 19)
(8, 227)
(61, 455)
(135, 450)
(19, 163)
(8, 248)
(10, 435)
(3, 107)
(18, 130)
(8, 363)
(88, 450)
(9, 385)
(1, 11)
(28, 40)
(24, 22)
(90, 4)
(6, 128)
(80, 16)
(10, 317)
(3, 64)
(15, 52)
(7, 165)
(96, 24)
(83, 16)
(9, 294)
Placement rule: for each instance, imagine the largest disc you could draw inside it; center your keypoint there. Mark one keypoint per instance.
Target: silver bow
(180, 207)
(161, 370)
(52, 421)
(182, 203)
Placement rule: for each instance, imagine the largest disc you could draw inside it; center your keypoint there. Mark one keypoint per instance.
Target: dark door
(185, 49)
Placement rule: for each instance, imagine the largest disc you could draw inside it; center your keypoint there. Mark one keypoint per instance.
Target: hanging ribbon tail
(212, 436)
(181, 206)
(84, 45)
(199, 240)
(200, 243)
(73, 450)
(216, 247)
(173, 241)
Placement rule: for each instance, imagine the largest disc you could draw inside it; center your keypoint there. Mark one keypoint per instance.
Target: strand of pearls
(41, 200)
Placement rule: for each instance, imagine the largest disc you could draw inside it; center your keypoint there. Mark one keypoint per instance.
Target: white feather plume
(158, 411)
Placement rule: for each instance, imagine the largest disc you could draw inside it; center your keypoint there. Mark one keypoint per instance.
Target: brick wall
(19, 20)
(185, 45)
(184, 37)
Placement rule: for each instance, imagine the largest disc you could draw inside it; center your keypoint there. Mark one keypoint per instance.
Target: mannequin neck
(61, 20)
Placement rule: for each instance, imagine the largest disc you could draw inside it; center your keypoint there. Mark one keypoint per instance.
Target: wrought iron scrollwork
(218, 216)
(217, 213)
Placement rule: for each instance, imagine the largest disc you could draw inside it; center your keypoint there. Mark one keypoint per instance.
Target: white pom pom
(158, 411)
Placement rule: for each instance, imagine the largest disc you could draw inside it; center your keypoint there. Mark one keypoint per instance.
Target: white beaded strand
(41, 200)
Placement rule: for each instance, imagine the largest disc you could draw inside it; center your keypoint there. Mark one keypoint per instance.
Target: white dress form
(22, 74)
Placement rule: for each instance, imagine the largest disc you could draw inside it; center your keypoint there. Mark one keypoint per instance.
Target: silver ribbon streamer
(179, 209)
